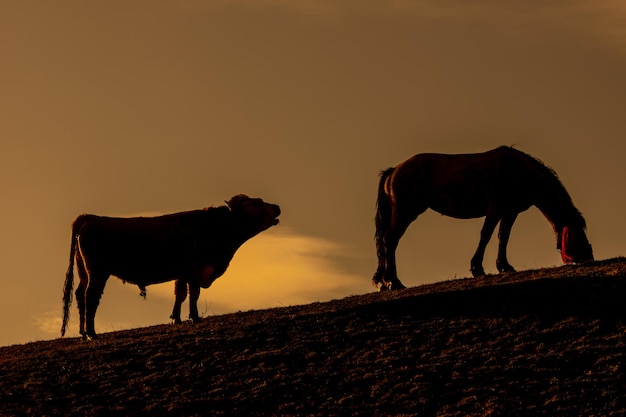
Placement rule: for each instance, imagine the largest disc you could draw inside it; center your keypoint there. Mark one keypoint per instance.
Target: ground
(544, 342)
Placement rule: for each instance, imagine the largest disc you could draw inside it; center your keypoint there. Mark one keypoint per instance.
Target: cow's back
(148, 250)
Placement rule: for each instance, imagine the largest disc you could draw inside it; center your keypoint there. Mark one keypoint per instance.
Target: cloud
(278, 268)
(48, 322)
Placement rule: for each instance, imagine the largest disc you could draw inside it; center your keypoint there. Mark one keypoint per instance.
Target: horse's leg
(485, 235)
(390, 279)
(377, 280)
(80, 301)
(504, 233)
(180, 291)
(95, 288)
(194, 294)
(388, 243)
(381, 251)
(80, 291)
(398, 227)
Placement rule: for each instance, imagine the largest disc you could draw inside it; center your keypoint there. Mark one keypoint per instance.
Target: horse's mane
(549, 175)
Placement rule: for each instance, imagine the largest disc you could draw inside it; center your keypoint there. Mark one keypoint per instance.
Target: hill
(544, 342)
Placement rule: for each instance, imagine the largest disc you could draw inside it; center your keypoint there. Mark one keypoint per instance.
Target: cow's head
(253, 213)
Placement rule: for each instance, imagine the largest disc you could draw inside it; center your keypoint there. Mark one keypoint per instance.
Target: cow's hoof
(195, 319)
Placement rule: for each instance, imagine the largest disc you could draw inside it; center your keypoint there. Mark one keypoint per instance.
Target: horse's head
(574, 245)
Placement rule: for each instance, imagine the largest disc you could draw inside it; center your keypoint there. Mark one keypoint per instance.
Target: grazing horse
(193, 248)
(498, 184)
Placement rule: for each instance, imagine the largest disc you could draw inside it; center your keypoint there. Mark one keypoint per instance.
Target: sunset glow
(121, 108)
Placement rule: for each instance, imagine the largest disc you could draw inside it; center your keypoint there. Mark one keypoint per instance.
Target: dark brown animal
(194, 248)
(498, 184)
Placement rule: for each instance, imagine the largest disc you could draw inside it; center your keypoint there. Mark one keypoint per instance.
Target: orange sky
(124, 108)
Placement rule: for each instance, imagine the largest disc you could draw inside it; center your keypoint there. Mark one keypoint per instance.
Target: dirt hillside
(546, 342)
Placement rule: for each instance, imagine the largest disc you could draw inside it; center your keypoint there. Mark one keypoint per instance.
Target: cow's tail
(69, 276)
(382, 220)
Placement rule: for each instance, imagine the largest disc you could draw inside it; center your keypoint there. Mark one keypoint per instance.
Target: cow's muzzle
(276, 210)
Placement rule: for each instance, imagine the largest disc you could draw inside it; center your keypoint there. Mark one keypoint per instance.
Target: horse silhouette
(498, 185)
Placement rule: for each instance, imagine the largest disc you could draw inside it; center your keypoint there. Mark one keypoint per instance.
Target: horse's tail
(383, 213)
(69, 276)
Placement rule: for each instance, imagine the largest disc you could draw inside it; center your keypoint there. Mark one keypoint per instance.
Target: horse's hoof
(504, 267)
(396, 286)
(390, 286)
(378, 283)
(478, 271)
(381, 285)
(88, 336)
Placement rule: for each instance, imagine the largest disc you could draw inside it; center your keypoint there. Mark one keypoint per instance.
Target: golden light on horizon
(170, 106)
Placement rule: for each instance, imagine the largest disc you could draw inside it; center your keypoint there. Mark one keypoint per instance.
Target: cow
(192, 248)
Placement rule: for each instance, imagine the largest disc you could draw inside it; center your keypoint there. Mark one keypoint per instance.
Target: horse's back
(469, 166)
(459, 185)
(438, 168)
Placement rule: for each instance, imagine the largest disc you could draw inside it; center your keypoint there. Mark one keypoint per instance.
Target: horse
(497, 184)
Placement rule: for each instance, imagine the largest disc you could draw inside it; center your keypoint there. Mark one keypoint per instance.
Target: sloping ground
(547, 342)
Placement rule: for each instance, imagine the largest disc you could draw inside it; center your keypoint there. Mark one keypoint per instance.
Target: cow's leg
(485, 235)
(180, 291)
(504, 233)
(94, 291)
(194, 294)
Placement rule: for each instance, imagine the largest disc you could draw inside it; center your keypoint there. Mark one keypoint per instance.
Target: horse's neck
(559, 211)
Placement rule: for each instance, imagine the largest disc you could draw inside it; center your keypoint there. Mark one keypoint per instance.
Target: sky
(126, 108)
